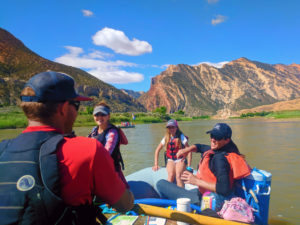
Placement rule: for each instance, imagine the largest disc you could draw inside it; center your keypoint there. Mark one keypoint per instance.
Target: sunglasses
(76, 104)
(216, 137)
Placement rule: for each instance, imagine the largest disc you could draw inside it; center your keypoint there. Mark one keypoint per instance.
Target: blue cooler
(256, 189)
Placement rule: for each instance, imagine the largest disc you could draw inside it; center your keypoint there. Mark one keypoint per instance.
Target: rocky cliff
(206, 90)
(134, 94)
(18, 64)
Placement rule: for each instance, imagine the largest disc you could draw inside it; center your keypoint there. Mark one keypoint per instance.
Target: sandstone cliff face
(18, 64)
(206, 90)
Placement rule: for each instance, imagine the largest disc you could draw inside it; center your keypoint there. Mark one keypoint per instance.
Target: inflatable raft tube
(142, 183)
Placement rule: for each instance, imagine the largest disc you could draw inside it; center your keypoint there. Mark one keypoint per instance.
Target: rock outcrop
(134, 94)
(206, 90)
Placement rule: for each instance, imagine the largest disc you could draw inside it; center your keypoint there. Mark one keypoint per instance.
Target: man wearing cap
(220, 165)
(48, 175)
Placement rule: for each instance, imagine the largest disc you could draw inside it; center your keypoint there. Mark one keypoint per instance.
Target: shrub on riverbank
(13, 117)
(276, 115)
(285, 114)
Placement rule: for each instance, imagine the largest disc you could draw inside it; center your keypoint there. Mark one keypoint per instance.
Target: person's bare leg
(179, 167)
(171, 171)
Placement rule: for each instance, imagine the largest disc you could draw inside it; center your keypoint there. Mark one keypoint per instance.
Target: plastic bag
(237, 209)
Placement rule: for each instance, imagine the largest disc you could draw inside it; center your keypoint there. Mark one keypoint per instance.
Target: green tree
(180, 112)
(161, 110)
(89, 110)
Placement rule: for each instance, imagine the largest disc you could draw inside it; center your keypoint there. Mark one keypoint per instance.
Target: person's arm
(111, 140)
(202, 148)
(190, 178)
(156, 154)
(189, 159)
(125, 203)
(183, 152)
(107, 184)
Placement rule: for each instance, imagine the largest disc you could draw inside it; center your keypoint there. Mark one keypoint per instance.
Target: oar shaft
(182, 216)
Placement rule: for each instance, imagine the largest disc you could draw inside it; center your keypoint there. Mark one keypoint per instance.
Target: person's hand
(180, 154)
(155, 167)
(189, 178)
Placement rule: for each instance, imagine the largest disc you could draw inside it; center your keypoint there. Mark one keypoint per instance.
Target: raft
(148, 200)
(126, 126)
(143, 182)
(255, 189)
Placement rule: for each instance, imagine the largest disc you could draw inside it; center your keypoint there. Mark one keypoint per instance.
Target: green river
(271, 145)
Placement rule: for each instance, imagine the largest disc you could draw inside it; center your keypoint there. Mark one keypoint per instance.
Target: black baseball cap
(52, 86)
(221, 131)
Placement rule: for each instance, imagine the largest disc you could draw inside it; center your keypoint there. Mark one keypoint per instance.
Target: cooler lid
(260, 175)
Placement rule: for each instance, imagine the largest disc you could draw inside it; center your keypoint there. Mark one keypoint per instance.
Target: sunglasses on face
(216, 137)
(100, 114)
(76, 104)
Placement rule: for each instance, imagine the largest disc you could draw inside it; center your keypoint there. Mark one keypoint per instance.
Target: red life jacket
(238, 168)
(173, 147)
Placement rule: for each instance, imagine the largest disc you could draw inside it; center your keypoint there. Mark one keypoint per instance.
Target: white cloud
(120, 43)
(217, 65)
(96, 63)
(87, 13)
(218, 19)
(165, 66)
(116, 76)
(212, 1)
(100, 55)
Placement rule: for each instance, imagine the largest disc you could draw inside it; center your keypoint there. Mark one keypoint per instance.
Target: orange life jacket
(238, 168)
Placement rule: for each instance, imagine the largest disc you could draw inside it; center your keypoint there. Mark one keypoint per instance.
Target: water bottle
(189, 169)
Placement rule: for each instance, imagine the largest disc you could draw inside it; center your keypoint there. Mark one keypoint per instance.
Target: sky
(127, 42)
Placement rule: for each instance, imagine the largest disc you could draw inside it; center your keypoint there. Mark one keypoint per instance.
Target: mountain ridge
(207, 90)
(18, 64)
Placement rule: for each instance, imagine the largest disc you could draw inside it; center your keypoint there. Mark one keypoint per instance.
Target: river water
(271, 145)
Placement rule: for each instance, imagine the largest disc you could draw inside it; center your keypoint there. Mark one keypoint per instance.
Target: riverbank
(274, 115)
(13, 117)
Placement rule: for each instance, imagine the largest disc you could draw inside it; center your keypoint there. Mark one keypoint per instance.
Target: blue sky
(126, 43)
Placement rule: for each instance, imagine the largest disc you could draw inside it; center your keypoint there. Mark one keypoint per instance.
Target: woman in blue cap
(109, 135)
(174, 140)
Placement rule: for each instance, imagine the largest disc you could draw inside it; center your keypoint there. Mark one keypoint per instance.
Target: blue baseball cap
(221, 131)
(52, 86)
